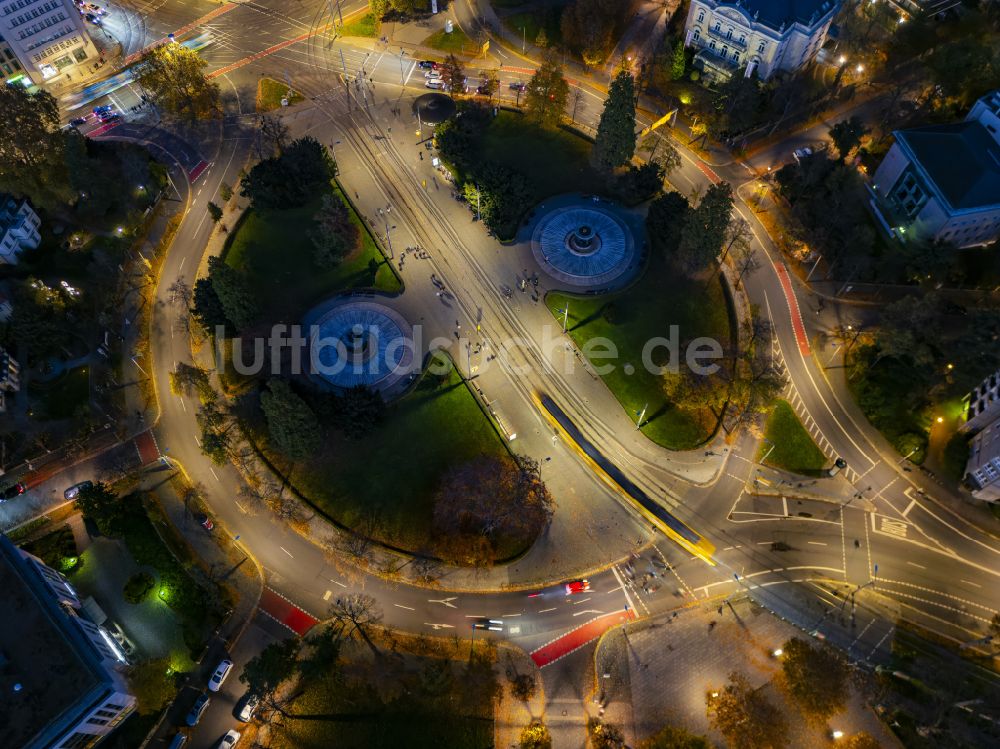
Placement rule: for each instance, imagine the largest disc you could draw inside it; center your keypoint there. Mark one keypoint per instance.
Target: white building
(982, 472)
(18, 228)
(982, 405)
(942, 182)
(61, 674)
(757, 36)
(48, 37)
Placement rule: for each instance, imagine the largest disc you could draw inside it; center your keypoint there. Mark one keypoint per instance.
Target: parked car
(221, 672)
(178, 741)
(13, 491)
(78, 121)
(518, 86)
(103, 108)
(246, 707)
(432, 74)
(427, 64)
(198, 709)
(577, 586)
(94, 19)
(74, 491)
(229, 740)
(204, 521)
(436, 83)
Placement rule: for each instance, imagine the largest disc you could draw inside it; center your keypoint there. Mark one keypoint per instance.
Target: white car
(247, 708)
(74, 491)
(800, 153)
(229, 740)
(432, 74)
(215, 683)
(435, 83)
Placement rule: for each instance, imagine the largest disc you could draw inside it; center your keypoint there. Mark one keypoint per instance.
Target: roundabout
(584, 244)
(358, 343)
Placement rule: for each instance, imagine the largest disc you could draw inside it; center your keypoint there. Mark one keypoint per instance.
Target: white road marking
(401, 606)
(918, 566)
(183, 260)
(506, 615)
(215, 474)
(241, 507)
(545, 611)
(974, 585)
(909, 507)
(326, 596)
(440, 626)
(444, 601)
(621, 582)
(588, 611)
(337, 582)
(286, 551)
(582, 600)
(182, 404)
(816, 543)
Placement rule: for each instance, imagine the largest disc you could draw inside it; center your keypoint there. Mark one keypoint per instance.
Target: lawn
(793, 448)
(270, 93)
(367, 25)
(527, 23)
(457, 41)
(395, 469)
(630, 318)
(66, 397)
(276, 253)
(554, 161)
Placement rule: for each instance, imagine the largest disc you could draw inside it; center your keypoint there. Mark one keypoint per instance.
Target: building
(10, 377)
(942, 182)
(48, 37)
(18, 228)
(60, 674)
(982, 472)
(982, 405)
(6, 306)
(9, 64)
(757, 36)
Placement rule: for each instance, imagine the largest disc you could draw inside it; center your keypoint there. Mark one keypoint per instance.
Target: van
(178, 741)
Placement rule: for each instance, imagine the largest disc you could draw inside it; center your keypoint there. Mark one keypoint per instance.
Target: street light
(859, 69)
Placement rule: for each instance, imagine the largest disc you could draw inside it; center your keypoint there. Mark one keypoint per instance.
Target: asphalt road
(937, 566)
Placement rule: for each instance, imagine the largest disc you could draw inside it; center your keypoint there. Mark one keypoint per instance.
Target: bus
(655, 513)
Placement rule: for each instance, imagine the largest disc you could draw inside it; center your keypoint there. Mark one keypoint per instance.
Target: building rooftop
(39, 650)
(961, 158)
(786, 12)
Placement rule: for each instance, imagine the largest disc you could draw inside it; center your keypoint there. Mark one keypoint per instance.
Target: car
(493, 625)
(435, 83)
(432, 74)
(109, 116)
(74, 491)
(12, 491)
(483, 89)
(801, 153)
(247, 706)
(198, 709)
(221, 672)
(427, 64)
(577, 586)
(103, 108)
(204, 521)
(838, 465)
(517, 86)
(78, 121)
(94, 19)
(229, 740)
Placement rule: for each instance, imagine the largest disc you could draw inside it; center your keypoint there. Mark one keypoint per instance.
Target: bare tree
(179, 292)
(356, 613)
(271, 137)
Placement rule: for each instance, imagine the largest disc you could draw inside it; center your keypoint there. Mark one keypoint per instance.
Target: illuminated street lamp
(837, 735)
(778, 652)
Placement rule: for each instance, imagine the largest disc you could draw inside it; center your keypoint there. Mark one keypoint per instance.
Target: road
(901, 538)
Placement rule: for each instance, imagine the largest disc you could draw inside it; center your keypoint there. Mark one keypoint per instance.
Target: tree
(291, 179)
(547, 92)
(605, 735)
(614, 145)
(321, 657)
(356, 613)
(292, 425)
(225, 191)
(523, 687)
(276, 663)
(271, 136)
(541, 38)
(745, 716)
(678, 66)
(207, 307)
(452, 74)
(665, 219)
(32, 150)
(359, 410)
(173, 77)
(499, 194)
(334, 236)
(736, 108)
(214, 211)
(489, 82)
(862, 740)
(535, 736)
(694, 392)
(102, 506)
(674, 737)
(847, 134)
(663, 152)
(487, 499)
(705, 229)
(233, 292)
(152, 684)
(378, 8)
(815, 677)
(638, 183)
(588, 27)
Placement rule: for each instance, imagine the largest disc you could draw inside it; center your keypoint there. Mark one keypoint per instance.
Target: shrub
(138, 587)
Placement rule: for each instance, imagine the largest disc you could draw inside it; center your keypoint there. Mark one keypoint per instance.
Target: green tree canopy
(547, 92)
(615, 142)
(705, 229)
(32, 149)
(293, 427)
(665, 221)
(588, 27)
(847, 134)
(234, 295)
(334, 235)
(535, 736)
(206, 307)
(173, 76)
(291, 179)
(276, 663)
